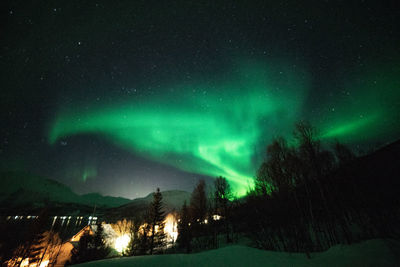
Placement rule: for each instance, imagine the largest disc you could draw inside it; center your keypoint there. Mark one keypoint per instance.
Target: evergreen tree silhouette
(157, 217)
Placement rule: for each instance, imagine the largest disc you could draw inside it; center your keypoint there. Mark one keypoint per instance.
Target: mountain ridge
(35, 188)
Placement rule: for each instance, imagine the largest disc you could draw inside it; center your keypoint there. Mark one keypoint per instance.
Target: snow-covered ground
(375, 252)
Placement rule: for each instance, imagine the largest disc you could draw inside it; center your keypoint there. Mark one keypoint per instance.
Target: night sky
(121, 97)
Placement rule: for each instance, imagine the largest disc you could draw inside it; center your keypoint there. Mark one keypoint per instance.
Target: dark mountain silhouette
(27, 194)
(24, 190)
(172, 200)
(376, 174)
(376, 177)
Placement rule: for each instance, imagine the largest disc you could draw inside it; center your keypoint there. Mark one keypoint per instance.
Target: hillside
(19, 189)
(383, 163)
(172, 200)
(375, 175)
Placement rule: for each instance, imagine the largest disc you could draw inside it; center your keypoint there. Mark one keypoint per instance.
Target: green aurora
(214, 128)
(89, 172)
(367, 111)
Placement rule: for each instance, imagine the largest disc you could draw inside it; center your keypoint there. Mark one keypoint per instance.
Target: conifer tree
(157, 217)
(90, 247)
(101, 250)
(184, 231)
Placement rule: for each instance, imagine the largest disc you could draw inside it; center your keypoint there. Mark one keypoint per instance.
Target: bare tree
(222, 197)
(198, 202)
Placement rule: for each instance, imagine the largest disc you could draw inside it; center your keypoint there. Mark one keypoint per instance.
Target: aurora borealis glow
(209, 131)
(369, 112)
(212, 131)
(124, 98)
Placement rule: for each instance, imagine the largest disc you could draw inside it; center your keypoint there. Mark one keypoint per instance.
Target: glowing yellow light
(121, 243)
(171, 228)
(25, 262)
(216, 217)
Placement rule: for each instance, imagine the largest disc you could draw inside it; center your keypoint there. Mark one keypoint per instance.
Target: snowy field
(375, 252)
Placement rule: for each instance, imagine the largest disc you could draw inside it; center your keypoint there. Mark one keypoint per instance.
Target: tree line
(308, 198)
(207, 217)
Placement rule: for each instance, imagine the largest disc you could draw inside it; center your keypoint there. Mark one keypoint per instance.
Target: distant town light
(216, 217)
(122, 242)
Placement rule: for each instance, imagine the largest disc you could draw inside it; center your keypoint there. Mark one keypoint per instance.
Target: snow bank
(375, 252)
